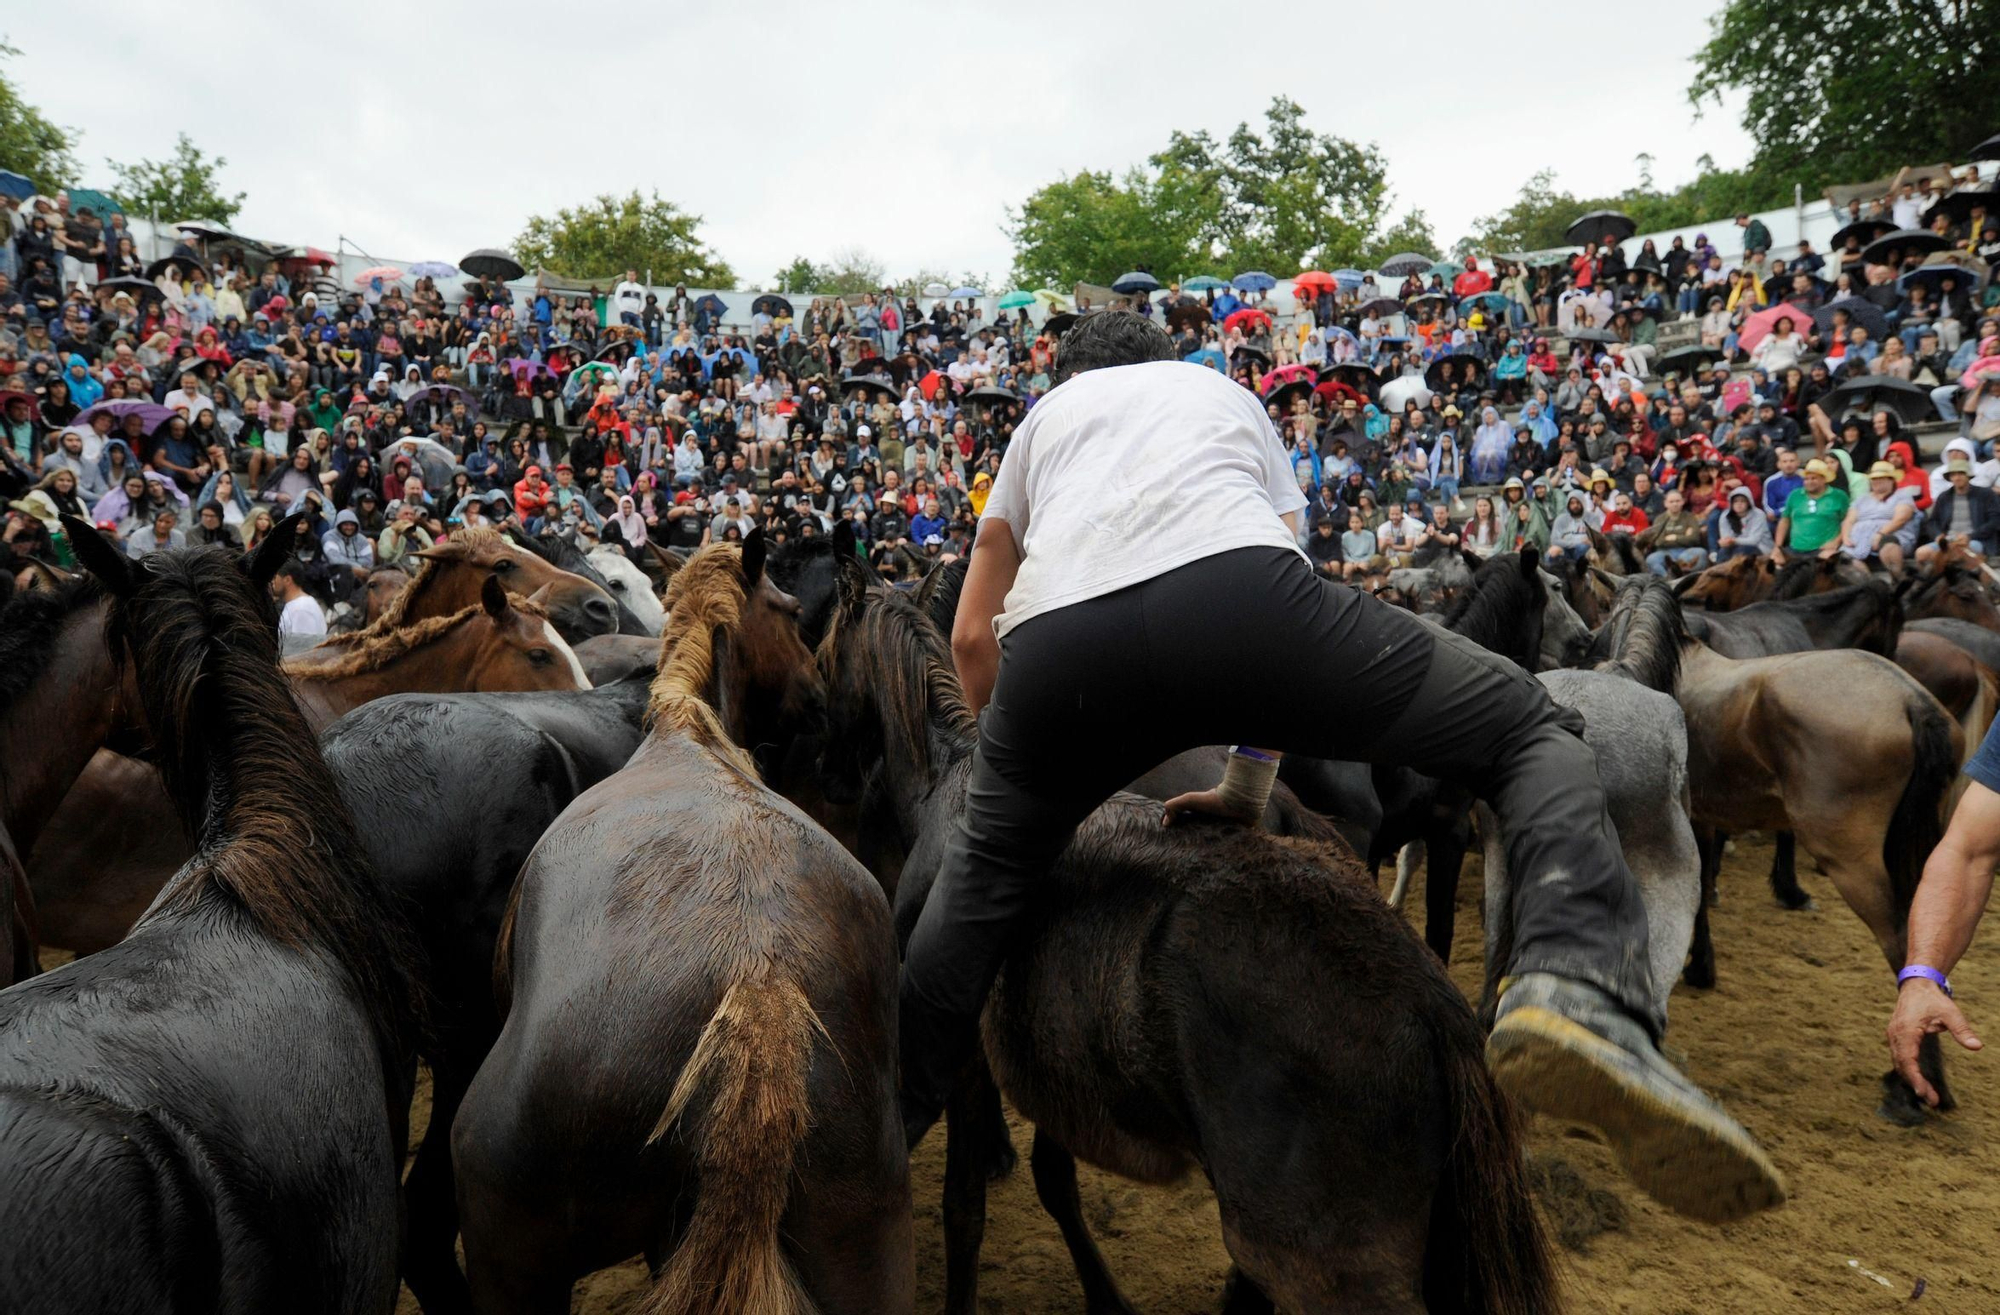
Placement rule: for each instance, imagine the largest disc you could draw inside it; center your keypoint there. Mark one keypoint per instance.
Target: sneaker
(1565, 1049)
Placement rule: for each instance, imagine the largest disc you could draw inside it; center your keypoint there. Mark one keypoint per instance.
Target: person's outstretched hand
(1922, 1009)
(1208, 803)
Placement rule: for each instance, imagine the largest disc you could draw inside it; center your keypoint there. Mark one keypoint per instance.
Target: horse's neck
(442, 666)
(55, 726)
(439, 591)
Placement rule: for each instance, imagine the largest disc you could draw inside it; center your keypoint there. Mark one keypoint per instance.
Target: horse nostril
(601, 609)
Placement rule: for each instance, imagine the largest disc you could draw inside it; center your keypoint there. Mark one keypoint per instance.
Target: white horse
(630, 586)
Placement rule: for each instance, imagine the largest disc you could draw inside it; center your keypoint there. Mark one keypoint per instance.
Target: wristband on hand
(1931, 975)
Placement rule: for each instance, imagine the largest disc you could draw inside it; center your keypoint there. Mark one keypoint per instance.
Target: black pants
(1250, 647)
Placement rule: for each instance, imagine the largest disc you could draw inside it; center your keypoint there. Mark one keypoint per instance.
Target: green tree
(799, 276)
(1539, 217)
(29, 144)
(1859, 89)
(184, 186)
(1094, 227)
(611, 234)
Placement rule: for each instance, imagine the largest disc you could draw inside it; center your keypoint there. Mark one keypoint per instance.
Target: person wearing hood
(115, 460)
(483, 465)
(1742, 529)
(626, 528)
(84, 389)
(1569, 537)
(531, 496)
(1964, 514)
(345, 546)
(1985, 474)
(1490, 443)
(68, 455)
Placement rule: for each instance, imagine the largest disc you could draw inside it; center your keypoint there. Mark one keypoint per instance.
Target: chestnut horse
(698, 1059)
(1955, 583)
(114, 839)
(1205, 995)
(211, 1116)
(450, 575)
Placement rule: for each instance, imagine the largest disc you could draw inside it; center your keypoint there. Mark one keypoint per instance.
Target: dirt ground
(1790, 1041)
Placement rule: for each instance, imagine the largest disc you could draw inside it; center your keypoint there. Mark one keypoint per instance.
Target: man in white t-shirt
(298, 611)
(1137, 590)
(628, 298)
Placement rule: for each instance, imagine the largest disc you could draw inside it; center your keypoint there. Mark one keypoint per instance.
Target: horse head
(517, 648)
(578, 607)
(630, 585)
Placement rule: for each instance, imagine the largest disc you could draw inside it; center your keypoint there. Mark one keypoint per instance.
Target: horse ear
(851, 581)
(493, 597)
(101, 557)
(844, 542)
(669, 561)
(1529, 565)
(540, 598)
(1680, 584)
(754, 552)
(275, 551)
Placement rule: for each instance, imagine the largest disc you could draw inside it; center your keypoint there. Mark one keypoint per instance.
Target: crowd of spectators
(1488, 404)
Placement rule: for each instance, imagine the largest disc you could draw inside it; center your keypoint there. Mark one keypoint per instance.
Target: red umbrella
(1313, 282)
(1757, 327)
(1335, 391)
(1237, 319)
(1286, 374)
(930, 383)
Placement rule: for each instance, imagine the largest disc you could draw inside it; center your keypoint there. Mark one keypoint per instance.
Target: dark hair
(289, 569)
(1110, 338)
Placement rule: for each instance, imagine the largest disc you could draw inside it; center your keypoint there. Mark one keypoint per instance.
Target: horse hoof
(1699, 976)
(1807, 904)
(1003, 1162)
(1900, 1105)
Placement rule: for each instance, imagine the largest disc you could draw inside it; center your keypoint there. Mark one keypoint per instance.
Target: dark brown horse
(384, 583)
(1206, 996)
(210, 1116)
(1741, 581)
(113, 840)
(1954, 583)
(698, 1059)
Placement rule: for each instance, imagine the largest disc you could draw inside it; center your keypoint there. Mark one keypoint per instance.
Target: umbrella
(386, 273)
(1600, 226)
(1969, 270)
(487, 263)
(1986, 150)
(137, 286)
(1688, 359)
(524, 368)
(1283, 394)
(712, 304)
(181, 261)
(1542, 259)
(1254, 280)
(1958, 206)
(1381, 306)
(1335, 391)
(1288, 374)
(433, 269)
(1592, 335)
(1187, 313)
(771, 304)
(618, 350)
(964, 292)
(992, 393)
(1757, 326)
(446, 394)
(1251, 352)
(1493, 301)
(857, 382)
(1055, 301)
(1427, 298)
(1353, 375)
(310, 255)
(1880, 392)
(1444, 269)
(1016, 300)
(1903, 240)
(151, 414)
(1859, 311)
(101, 204)
(1203, 283)
(1410, 262)
(1584, 305)
(1237, 319)
(1313, 282)
(936, 289)
(1865, 230)
(1458, 361)
(16, 185)
(1208, 356)
(1398, 393)
(1137, 281)
(588, 375)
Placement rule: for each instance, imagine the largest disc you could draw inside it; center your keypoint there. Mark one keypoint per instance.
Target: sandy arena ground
(1790, 1040)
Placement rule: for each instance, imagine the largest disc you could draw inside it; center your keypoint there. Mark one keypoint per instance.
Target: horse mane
(1499, 594)
(393, 616)
(1794, 578)
(274, 842)
(374, 648)
(704, 596)
(29, 625)
(912, 679)
(946, 583)
(1643, 637)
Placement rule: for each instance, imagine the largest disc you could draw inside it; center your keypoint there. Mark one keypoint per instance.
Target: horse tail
(1918, 822)
(750, 1066)
(1487, 1253)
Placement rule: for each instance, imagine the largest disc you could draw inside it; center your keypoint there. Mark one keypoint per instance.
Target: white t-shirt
(629, 297)
(302, 616)
(1123, 474)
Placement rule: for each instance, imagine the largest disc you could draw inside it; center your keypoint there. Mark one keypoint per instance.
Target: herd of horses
(628, 874)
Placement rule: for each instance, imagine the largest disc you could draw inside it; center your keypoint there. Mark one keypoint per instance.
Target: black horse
(210, 1115)
(1865, 616)
(449, 794)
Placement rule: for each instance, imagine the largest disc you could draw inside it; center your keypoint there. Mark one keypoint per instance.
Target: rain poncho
(1539, 423)
(84, 390)
(1490, 444)
(1374, 423)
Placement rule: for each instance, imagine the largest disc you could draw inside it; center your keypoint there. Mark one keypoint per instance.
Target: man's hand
(1829, 552)
(1922, 1010)
(1208, 803)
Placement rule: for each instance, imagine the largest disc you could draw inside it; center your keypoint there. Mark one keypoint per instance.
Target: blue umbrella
(1348, 278)
(1493, 301)
(713, 304)
(433, 269)
(1137, 280)
(1209, 356)
(1203, 283)
(965, 292)
(16, 185)
(1409, 262)
(1255, 280)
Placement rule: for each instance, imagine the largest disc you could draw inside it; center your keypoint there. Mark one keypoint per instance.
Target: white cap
(863, 431)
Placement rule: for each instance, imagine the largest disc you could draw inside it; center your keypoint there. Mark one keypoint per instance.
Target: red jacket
(1634, 520)
(1471, 283)
(530, 501)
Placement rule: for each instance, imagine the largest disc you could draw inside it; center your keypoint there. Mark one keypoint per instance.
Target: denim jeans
(1689, 558)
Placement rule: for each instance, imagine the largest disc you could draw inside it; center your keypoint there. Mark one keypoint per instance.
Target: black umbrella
(1355, 375)
(1641, 308)
(1859, 311)
(1903, 240)
(181, 261)
(1458, 361)
(1880, 392)
(771, 304)
(1251, 352)
(1409, 262)
(1136, 281)
(1600, 226)
(1958, 206)
(1285, 392)
(992, 393)
(617, 351)
(1063, 320)
(1381, 306)
(488, 263)
(1986, 150)
(1865, 230)
(1422, 297)
(856, 382)
(1187, 314)
(1590, 334)
(131, 283)
(1688, 359)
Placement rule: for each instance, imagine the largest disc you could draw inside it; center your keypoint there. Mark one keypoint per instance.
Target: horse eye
(541, 657)
(504, 564)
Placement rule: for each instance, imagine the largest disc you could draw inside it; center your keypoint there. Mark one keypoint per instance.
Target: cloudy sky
(420, 130)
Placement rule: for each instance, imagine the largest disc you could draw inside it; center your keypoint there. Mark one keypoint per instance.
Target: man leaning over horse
(1137, 589)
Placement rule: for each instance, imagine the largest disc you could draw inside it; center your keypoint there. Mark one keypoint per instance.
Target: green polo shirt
(1815, 521)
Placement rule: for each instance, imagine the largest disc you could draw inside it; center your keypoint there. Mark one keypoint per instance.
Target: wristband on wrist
(1931, 975)
(1254, 755)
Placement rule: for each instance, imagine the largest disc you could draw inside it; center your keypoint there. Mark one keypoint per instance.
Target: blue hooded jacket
(83, 389)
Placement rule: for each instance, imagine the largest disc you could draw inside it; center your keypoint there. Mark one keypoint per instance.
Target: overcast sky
(421, 130)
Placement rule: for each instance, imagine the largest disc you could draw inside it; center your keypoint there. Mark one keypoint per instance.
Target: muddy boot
(1565, 1049)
